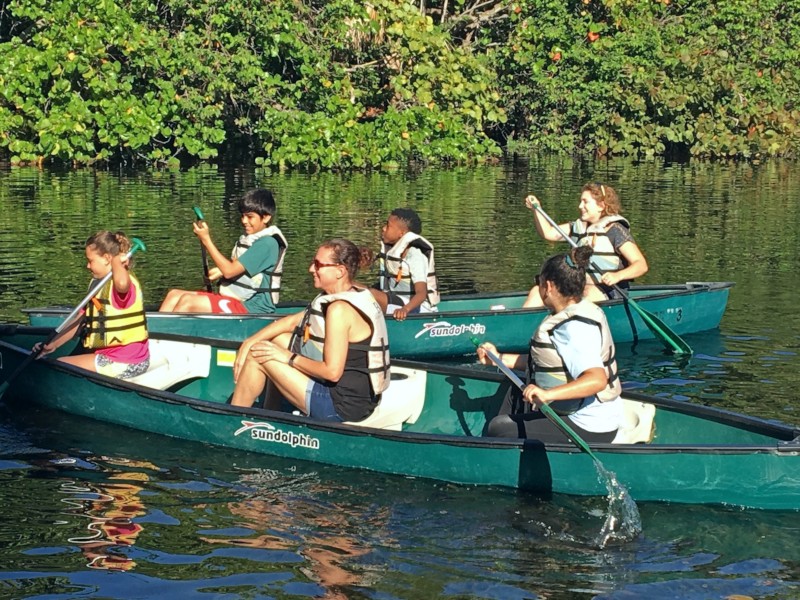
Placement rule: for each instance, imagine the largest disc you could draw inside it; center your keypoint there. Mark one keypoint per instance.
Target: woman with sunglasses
(570, 365)
(617, 259)
(330, 361)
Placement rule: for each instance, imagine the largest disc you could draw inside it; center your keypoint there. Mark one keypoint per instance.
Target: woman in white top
(570, 365)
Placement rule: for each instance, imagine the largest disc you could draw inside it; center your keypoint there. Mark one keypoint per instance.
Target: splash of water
(623, 522)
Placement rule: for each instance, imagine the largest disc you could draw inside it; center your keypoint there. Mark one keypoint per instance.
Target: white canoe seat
(637, 423)
(401, 403)
(172, 362)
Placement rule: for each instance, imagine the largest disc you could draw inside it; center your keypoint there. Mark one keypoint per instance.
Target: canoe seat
(637, 423)
(401, 403)
(172, 362)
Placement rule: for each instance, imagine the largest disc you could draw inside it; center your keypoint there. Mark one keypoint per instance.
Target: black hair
(568, 271)
(350, 256)
(410, 218)
(259, 201)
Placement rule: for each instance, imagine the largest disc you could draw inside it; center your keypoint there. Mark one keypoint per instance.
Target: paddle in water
(668, 337)
(136, 244)
(623, 521)
(204, 255)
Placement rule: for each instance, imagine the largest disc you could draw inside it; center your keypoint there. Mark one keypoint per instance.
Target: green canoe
(429, 424)
(685, 308)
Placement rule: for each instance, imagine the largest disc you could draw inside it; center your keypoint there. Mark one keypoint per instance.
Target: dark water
(102, 512)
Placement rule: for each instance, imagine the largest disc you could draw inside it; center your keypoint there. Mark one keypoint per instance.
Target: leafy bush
(345, 84)
(334, 85)
(703, 78)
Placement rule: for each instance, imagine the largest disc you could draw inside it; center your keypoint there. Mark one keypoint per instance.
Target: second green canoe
(684, 308)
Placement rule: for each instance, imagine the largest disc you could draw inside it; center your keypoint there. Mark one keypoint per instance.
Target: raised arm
(543, 228)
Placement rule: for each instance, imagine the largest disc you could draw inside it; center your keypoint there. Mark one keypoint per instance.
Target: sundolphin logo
(266, 432)
(445, 329)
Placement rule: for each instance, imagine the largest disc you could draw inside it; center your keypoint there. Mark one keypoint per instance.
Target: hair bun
(582, 256)
(367, 257)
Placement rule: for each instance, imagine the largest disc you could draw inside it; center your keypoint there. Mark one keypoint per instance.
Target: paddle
(137, 244)
(671, 339)
(546, 410)
(203, 253)
(623, 515)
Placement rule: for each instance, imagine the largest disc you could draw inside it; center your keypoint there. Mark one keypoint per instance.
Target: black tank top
(352, 395)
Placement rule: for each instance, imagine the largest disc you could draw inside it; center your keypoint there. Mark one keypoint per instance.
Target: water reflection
(742, 373)
(217, 522)
(324, 534)
(693, 222)
(110, 508)
(326, 531)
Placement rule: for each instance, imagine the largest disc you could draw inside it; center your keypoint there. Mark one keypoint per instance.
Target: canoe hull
(699, 455)
(685, 309)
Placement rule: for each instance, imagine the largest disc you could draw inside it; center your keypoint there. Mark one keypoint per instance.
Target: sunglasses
(318, 265)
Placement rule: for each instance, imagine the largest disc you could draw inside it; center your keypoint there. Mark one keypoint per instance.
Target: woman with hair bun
(331, 361)
(570, 365)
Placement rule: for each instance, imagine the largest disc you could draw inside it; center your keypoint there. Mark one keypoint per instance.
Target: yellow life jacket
(309, 338)
(245, 287)
(547, 367)
(105, 326)
(604, 259)
(395, 276)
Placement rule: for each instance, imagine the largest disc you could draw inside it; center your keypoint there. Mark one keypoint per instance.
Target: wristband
(291, 359)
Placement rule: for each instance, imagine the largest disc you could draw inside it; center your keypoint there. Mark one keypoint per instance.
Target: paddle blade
(198, 213)
(137, 244)
(668, 337)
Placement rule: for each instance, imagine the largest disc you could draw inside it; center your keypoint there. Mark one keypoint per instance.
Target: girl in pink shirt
(113, 330)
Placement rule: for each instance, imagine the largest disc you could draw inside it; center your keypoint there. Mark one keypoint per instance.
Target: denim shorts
(319, 403)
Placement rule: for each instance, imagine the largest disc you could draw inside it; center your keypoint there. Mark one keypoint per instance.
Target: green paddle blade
(137, 244)
(198, 213)
(668, 337)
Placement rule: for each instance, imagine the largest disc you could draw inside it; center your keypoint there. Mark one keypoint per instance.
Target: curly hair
(606, 194)
(106, 242)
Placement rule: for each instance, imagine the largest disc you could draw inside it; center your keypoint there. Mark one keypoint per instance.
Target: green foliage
(338, 85)
(344, 84)
(647, 77)
(397, 89)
